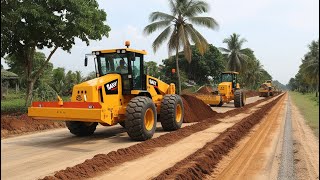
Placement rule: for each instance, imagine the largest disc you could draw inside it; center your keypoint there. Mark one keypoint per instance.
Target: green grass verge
(13, 103)
(308, 105)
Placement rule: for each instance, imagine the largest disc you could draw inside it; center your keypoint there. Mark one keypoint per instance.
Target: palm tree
(178, 28)
(237, 59)
(310, 65)
(254, 73)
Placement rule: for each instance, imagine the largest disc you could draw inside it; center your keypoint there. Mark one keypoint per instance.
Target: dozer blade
(210, 99)
(69, 111)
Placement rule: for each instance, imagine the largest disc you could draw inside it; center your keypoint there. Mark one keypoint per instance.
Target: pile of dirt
(103, 162)
(18, 124)
(205, 90)
(195, 110)
(251, 93)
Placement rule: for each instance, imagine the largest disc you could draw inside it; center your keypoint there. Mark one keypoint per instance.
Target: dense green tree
(178, 28)
(236, 56)
(310, 65)
(30, 24)
(58, 82)
(152, 69)
(201, 66)
(90, 76)
(39, 60)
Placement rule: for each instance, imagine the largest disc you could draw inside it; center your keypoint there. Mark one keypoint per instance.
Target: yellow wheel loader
(266, 89)
(122, 93)
(228, 90)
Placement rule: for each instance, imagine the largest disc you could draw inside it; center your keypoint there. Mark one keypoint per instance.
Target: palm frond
(208, 22)
(173, 42)
(154, 16)
(195, 8)
(149, 29)
(200, 42)
(224, 50)
(161, 38)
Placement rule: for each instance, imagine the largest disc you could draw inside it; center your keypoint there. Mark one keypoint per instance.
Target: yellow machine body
(91, 103)
(266, 89)
(225, 92)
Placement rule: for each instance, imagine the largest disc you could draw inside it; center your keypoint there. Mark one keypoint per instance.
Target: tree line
(29, 26)
(307, 78)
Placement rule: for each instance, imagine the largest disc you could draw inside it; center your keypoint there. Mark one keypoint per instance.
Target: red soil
(195, 110)
(205, 90)
(18, 124)
(103, 162)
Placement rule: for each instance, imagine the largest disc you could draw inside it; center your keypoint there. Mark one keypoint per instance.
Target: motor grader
(266, 89)
(228, 90)
(121, 93)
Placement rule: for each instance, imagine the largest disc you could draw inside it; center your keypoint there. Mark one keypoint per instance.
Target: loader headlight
(91, 107)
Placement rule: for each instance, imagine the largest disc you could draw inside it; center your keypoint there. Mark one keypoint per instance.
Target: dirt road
(37, 155)
(255, 156)
(40, 154)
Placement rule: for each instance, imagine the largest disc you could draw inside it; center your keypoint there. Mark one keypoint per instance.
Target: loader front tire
(141, 118)
(238, 98)
(171, 112)
(81, 129)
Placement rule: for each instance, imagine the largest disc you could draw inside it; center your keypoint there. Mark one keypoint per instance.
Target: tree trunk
(178, 72)
(317, 90)
(32, 79)
(29, 93)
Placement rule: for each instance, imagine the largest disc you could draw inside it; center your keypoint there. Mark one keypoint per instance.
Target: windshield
(112, 63)
(226, 78)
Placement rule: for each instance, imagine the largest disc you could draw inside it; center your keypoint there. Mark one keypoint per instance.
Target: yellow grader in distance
(266, 89)
(122, 94)
(228, 90)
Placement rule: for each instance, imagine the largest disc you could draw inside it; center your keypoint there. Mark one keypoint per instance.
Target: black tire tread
(168, 110)
(134, 123)
(237, 98)
(80, 129)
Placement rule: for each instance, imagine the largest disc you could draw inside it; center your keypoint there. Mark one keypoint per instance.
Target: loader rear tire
(237, 98)
(141, 118)
(122, 124)
(244, 98)
(171, 112)
(81, 129)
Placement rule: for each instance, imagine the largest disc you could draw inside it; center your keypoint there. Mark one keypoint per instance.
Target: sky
(278, 31)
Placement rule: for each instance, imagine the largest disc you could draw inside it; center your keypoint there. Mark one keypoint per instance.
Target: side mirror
(86, 61)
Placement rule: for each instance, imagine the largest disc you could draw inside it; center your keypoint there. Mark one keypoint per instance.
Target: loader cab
(230, 76)
(126, 62)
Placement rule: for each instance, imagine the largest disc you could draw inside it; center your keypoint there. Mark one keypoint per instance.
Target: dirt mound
(17, 124)
(103, 162)
(251, 93)
(205, 90)
(195, 110)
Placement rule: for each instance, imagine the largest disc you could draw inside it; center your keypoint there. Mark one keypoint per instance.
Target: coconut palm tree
(254, 73)
(236, 57)
(179, 30)
(310, 65)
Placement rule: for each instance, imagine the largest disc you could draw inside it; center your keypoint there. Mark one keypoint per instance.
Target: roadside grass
(13, 103)
(308, 105)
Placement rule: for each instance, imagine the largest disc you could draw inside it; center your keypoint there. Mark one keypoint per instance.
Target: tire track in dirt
(103, 162)
(203, 161)
(253, 158)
